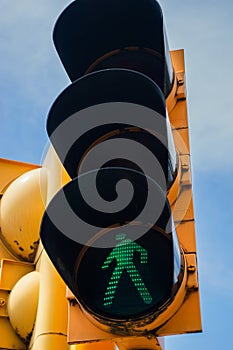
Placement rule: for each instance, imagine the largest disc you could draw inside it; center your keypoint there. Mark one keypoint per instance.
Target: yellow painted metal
(24, 297)
(10, 272)
(132, 343)
(22, 207)
(188, 318)
(8, 338)
(50, 331)
(4, 252)
(10, 170)
(183, 315)
(50, 341)
(24, 200)
(106, 345)
(57, 175)
(80, 328)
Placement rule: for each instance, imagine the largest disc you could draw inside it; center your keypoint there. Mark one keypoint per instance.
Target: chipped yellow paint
(22, 207)
(22, 304)
(10, 273)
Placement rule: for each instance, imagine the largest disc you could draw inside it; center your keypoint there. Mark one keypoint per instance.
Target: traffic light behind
(121, 231)
(22, 187)
(23, 194)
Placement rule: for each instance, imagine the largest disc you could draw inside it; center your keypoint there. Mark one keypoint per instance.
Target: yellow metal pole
(50, 330)
(107, 345)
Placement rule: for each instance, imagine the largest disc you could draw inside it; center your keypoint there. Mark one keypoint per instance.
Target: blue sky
(31, 76)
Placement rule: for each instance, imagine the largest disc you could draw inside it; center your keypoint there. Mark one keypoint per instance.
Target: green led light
(124, 253)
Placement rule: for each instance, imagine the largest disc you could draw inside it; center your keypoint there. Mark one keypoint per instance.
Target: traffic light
(120, 231)
(22, 203)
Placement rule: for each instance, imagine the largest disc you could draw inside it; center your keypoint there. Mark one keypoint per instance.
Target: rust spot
(20, 248)
(20, 228)
(16, 242)
(24, 340)
(33, 247)
(73, 302)
(35, 244)
(27, 340)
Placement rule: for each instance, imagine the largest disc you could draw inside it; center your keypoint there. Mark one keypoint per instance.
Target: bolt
(2, 302)
(191, 268)
(185, 166)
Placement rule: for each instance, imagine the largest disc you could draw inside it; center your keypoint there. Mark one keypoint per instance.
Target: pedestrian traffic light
(120, 231)
(120, 262)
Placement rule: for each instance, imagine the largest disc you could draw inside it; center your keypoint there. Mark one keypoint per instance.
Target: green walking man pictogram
(124, 253)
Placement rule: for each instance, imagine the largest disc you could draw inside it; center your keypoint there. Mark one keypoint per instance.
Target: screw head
(2, 302)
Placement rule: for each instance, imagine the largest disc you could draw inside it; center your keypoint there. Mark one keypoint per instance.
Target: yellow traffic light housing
(142, 270)
(23, 198)
(187, 317)
(120, 133)
(23, 195)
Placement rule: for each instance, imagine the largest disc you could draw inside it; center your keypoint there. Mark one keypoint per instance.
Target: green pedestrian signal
(127, 268)
(110, 231)
(124, 254)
